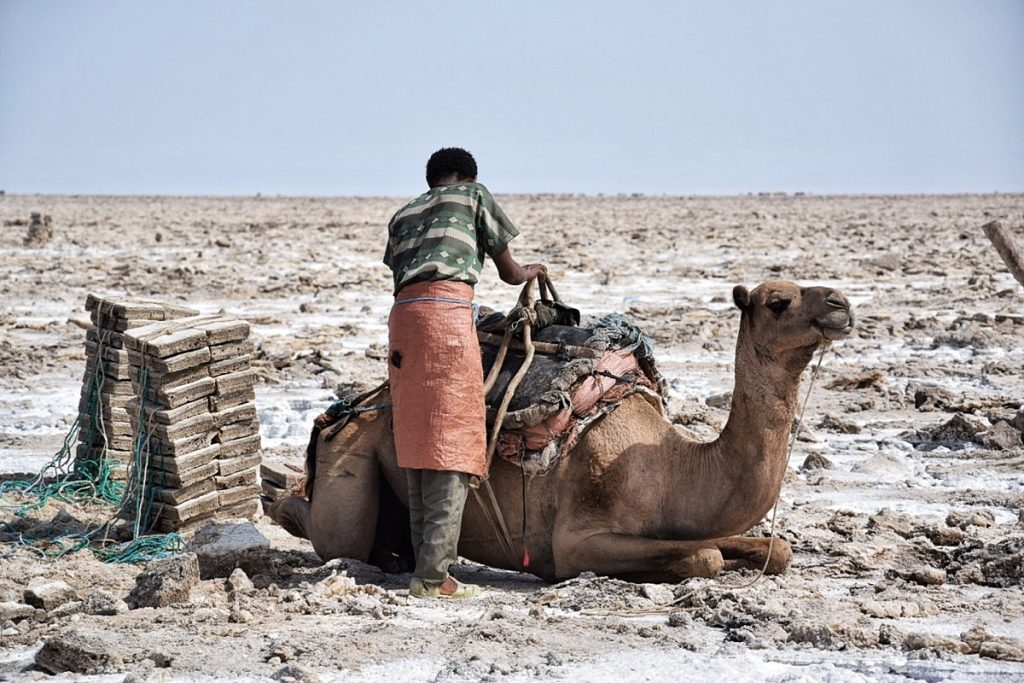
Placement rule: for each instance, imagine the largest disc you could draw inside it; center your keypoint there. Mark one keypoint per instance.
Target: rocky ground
(903, 502)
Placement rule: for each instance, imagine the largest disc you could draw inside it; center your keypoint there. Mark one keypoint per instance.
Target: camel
(635, 498)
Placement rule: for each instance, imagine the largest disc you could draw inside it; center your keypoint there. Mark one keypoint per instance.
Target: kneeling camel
(635, 498)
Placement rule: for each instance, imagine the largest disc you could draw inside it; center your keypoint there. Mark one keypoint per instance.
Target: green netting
(85, 481)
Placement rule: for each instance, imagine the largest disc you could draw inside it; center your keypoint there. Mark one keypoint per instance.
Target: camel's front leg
(292, 513)
(648, 559)
(635, 558)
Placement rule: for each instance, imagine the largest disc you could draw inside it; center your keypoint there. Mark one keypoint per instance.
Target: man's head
(450, 165)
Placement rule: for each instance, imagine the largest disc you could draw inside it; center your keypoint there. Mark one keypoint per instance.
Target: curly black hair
(447, 161)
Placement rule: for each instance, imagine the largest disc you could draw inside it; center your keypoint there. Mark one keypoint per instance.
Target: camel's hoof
(782, 555)
(703, 564)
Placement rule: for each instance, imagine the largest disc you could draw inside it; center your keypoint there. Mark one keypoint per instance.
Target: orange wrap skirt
(436, 375)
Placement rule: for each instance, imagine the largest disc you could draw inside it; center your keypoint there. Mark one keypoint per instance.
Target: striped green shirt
(445, 233)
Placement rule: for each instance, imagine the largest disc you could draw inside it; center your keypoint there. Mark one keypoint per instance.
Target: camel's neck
(750, 455)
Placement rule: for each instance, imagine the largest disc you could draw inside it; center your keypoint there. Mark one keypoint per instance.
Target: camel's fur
(635, 498)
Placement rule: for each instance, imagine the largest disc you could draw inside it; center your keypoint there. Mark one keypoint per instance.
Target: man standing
(436, 248)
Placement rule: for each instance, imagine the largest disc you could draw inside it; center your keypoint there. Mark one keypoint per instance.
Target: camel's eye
(778, 306)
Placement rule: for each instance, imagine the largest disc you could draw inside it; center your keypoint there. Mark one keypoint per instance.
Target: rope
(497, 522)
(662, 609)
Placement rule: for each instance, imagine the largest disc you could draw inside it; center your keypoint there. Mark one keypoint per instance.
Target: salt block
(169, 380)
(220, 403)
(230, 365)
(137, 307)
(245, 412)
(225, 330)
(274, 493)
(94, 451)
(80, 653)
(235, 381)
(110, 322)
(198, 424)
(112, 443)
(165, 582)
(231, 350)
(164, 339)
(237, 464)
(176, 464)
(109, 386)
(200, 505)
(185, 478)
(166, 526)
(104, 338)
(94, 368)
(180, 395)
(221, 547)
(246, 478)
(187, 444)
(105, 352)
(176, 496)
(238, 494)
(247, 509)
(108, 412)
(238, 430)
(89, 425)
(282, 474)
(170, 364)
(166, 416)
(49, 594)
(237, 447)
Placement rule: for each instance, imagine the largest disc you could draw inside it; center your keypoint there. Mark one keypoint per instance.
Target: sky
(232, 97)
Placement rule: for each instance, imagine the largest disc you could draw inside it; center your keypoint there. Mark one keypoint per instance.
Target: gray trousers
(436, 502)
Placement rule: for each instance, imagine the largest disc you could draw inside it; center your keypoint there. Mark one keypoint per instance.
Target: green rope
(76, 480)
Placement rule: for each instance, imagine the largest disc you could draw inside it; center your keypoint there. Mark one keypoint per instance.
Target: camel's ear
(741, 297)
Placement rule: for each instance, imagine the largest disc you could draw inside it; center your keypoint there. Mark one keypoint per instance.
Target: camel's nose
(837, 300)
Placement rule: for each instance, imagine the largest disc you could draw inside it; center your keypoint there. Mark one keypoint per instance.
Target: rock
(927, 641)
(75, 652)
(282, 651)
(165, 582)
(223, 546)
(928, 576)
(40, 230)
(818, 635)
(239, 581)
(103, 603)
(66, 610)
(1002, 437)
(658, 593)
(49, 595)
(294, 673)
(837, 424)
(928, 397)
(680, 617)
(966, 518)
(1002, 651)
(816, 461)
(944, 535)
(720, 401)
(886, 519)
(1018, 421)
(15, 611)
(959, 429)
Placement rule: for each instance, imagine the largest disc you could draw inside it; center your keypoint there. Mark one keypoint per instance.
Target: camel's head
(782, 316)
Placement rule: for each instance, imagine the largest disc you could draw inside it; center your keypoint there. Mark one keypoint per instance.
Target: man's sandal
(450, 589)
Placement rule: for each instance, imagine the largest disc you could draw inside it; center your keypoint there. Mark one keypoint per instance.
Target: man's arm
(512, 273)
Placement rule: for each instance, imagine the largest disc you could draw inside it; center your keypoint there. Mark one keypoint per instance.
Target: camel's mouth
(837, 324)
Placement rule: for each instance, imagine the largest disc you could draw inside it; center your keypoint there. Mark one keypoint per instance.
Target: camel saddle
(578, 375)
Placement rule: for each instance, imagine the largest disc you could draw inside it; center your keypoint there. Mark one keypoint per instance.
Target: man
(436, 247)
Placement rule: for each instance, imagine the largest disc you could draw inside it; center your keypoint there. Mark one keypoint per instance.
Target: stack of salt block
(105, 426)
(279, 480)
(198, 419)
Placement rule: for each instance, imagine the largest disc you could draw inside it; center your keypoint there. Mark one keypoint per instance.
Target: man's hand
(536, 270)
